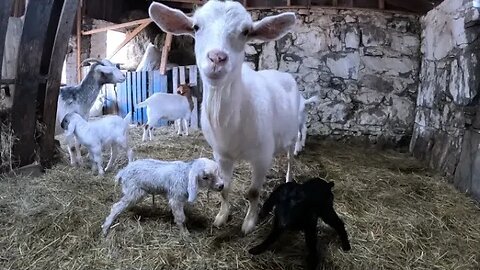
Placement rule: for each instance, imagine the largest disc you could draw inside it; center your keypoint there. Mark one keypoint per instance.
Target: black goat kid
(297, 208)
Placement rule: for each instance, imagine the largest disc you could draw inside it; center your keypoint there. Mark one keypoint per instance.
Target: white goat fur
(302, 129)
(80, 98)
(246, 115)
(162, 106)
(97, 107)
(179, 180)
(110, 130)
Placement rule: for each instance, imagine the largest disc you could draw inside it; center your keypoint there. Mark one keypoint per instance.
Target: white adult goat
(246, 115)
(162, 106)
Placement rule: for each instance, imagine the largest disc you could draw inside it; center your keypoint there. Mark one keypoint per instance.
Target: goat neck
(90, 86)
(220, 101)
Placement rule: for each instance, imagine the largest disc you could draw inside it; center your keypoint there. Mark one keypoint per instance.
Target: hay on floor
(398, 214)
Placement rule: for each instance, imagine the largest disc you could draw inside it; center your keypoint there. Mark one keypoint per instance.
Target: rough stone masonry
(447, 121)
(363, 64)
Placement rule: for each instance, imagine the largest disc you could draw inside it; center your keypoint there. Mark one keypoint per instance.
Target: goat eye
(246, 32)
(195, 27)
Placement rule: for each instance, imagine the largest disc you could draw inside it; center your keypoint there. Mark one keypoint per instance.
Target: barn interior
(396, 129)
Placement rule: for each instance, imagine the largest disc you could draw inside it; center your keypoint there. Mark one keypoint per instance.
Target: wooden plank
(122, 99)
(245, 3)
(128, 92)
(381, 4)
(129, 37)
(144, 94)
(79, 42)
(165, 51)
(175, 79)
(59, 51)
(334, 3)
(192, 75)
(116, 26)
(26, 87)
(289, 2)
(181, 73)
(194, 118)
(5, 8)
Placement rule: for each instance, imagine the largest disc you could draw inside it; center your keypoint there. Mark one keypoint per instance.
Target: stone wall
(363, 64)
(445, 119)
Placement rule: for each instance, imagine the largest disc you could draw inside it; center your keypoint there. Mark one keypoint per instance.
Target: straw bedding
(398, 214)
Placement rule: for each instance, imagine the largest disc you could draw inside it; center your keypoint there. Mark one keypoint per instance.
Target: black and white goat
(297, 208)
(80, 98)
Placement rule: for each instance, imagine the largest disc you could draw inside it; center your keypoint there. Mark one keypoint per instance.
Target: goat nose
(217, 57)
(220, 187)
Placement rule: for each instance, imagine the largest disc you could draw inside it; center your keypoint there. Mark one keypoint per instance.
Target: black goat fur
(297, 208)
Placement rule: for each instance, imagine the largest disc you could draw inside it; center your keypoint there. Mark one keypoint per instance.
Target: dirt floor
(398, 214)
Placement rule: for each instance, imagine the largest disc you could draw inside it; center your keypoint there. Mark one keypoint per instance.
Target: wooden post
(28, 78)
(381, 4)
(59, 51)
(334, 3)
(129, 37)
(79, 42)
(165, 50)
(5, 8)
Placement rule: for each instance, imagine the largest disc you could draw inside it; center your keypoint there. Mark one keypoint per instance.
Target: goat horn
(88, 60)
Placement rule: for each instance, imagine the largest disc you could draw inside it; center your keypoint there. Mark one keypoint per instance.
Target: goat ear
(273, 27)
(171, 20)
(192, 185)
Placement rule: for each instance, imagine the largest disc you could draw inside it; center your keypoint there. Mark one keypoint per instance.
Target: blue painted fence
(137, 87)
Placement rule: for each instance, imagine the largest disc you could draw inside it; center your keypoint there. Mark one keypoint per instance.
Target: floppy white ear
(192, 188)
(69, 131)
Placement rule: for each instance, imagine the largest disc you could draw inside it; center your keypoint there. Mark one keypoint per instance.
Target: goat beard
(214, 101)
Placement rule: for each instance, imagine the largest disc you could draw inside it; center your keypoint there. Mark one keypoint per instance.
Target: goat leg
(311, 241)
(332, 219)
(271, 238)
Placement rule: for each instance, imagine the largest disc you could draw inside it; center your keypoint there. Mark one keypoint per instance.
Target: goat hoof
(346, 247)
(220, 220)
(255, 250)
(248, 226)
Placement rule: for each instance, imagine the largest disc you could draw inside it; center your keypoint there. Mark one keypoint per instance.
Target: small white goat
(110, 130)
(302, 129)
(178, 180)
(246, 115)
(162, 106)
(80, 98)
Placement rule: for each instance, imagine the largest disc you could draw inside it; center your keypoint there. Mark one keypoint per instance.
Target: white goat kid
(162, 106)
(246, 115)
(110, 130)
(80, 98)
(179, 180)
(302, 129)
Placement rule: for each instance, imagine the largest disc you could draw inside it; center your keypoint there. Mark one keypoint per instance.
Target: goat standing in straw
(246, 115)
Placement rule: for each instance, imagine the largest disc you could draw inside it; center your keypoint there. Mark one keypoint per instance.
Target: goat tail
(141, 104)
(313, 99)
(128, 118)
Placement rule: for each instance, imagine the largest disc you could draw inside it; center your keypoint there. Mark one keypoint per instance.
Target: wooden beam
(27, 82)
(59, 51)
(165, 51)
(5, 8)
(244, 3)
(381, 4)
(289, 3)
(79, 42)
(334, 3)
(129, 37)
(116, 26)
